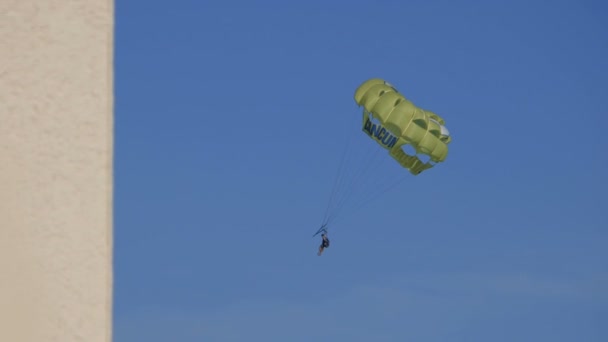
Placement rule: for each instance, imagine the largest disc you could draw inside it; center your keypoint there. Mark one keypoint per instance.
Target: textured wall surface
(56, 143)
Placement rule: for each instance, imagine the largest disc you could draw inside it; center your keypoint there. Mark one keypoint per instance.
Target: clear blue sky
(230, 123)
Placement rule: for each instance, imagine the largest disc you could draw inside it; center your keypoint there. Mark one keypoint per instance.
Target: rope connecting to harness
(322, 229)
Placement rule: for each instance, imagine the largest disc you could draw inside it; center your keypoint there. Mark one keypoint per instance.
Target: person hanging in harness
(324, 243)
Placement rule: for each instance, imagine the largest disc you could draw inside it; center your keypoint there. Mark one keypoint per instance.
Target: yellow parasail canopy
(395, 122)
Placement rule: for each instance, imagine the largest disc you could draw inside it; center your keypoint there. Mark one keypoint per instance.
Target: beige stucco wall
(56, 143)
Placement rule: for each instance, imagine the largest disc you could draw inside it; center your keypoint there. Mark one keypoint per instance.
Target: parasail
(394, 122)
(416, 139)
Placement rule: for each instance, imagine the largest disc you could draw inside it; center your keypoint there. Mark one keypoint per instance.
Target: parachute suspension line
(352, 175)
(372, 191)
(380, 190)
(344, 175)
(360, 176)
(338, 179)
(363, 188)
(334, 188)
(379, 193)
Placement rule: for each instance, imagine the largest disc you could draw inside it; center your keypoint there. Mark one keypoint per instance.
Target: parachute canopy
(395, 122)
